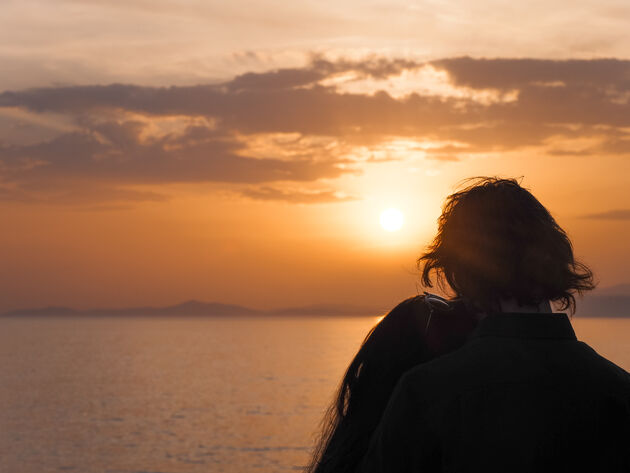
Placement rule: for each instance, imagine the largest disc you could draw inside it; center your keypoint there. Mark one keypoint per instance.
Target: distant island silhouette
(198, 309)
(612, 301)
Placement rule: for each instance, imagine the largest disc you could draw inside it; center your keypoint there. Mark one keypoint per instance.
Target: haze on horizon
(155, 152)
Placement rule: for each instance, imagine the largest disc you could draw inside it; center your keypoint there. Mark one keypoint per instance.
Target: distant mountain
(195, 309)
(188, 308)
(612, 301)
(603, 306)
(617, 290)
(43, 311)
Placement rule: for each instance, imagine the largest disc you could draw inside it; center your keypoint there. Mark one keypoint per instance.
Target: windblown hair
(393, 346)
(496, 241)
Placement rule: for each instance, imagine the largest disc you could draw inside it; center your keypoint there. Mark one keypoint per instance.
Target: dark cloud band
(553, 100)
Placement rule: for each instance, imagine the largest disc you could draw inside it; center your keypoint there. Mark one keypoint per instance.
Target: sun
(392, 219)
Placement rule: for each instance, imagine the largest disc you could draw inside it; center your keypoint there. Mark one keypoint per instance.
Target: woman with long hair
(495, 245)
(415, 331)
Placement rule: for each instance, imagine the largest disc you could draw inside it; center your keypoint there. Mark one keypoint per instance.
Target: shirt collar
(522, 325)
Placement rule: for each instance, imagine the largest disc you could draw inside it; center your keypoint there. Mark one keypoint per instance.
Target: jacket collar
(522, 325)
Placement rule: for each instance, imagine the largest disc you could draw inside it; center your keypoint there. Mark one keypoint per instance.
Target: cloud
(318, 70)
(116, 153)
(126, 135)
(78, 194)
(292, 100)
(570, 152)
(620, 214)
(296, 196)
(507, 74)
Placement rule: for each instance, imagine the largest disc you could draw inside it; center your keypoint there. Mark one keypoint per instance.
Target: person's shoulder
(453, 372)
(605, 368)
(483, 362)
(465, 357)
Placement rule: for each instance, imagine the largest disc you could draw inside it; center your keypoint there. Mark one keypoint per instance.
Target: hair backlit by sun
(392, 219)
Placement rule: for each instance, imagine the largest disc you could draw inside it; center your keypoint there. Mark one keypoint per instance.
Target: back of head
(496, 241)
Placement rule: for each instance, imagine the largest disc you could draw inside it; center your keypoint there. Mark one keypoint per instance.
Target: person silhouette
(521, 394)
(418, 329)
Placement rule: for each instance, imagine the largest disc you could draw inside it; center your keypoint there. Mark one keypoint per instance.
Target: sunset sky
(155, 151)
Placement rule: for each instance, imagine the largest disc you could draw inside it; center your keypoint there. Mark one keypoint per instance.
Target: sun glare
(392, 219)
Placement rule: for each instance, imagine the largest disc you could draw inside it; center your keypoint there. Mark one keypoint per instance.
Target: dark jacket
(523, 395)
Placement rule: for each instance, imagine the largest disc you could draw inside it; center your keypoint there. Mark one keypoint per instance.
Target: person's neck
(510, 305)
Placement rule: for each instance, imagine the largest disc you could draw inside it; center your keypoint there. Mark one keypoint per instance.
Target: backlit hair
(496, 241)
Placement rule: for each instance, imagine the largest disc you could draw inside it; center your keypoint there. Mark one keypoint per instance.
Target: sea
(184, 395)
